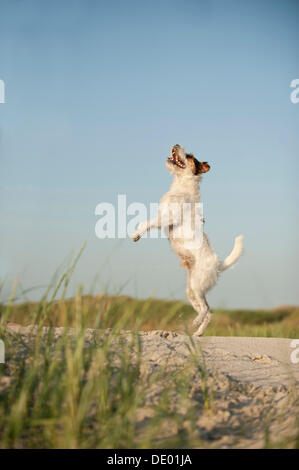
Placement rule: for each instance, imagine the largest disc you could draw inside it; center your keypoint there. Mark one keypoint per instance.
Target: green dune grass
(154, 314)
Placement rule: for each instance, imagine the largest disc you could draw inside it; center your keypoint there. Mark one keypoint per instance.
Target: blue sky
(97, 91)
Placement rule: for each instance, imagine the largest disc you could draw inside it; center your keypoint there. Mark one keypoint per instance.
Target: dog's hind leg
(201, 329)
(203, 313)
(200, 305)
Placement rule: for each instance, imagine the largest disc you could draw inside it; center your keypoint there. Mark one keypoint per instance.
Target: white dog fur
(202, 264)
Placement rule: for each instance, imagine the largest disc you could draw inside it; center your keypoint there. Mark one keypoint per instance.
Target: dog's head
(179, 163)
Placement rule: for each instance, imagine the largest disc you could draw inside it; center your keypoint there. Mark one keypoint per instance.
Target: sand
(251, 386)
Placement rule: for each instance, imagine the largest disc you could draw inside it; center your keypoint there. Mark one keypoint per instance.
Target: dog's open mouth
(174, 159)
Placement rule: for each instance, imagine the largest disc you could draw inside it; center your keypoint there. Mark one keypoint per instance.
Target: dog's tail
(234, 255)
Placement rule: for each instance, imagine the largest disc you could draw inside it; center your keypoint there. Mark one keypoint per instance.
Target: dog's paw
(136, 237)
(198, 333)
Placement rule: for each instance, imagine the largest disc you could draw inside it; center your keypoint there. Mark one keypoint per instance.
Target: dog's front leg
(168, 216)
(145, 227)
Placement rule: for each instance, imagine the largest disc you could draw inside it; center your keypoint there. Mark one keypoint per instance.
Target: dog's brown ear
(204, 167)
(195, 166)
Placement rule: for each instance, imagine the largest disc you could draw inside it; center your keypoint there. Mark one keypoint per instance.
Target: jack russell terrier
(198, 258)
